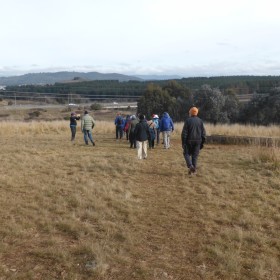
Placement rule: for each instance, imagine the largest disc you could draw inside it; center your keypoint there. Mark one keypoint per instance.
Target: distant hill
(158, 77)
(51, 78)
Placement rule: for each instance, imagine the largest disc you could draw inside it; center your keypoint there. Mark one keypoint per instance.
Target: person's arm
(184, 135)
(136, 129)
(148, 131)
(172, 125)
(203, 135)
(82, 124)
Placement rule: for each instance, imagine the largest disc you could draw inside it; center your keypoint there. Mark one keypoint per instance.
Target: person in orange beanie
(193, 137)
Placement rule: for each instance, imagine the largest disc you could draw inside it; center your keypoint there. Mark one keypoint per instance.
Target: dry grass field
(71, 211)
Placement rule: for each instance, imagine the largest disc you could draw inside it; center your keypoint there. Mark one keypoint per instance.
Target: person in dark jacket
(193, 137)
(131, 129)
(73, 124)
(142, 135)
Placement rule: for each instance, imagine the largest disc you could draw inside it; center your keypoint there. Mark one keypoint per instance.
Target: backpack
(126, 126)
(156, 123)
(119, 121)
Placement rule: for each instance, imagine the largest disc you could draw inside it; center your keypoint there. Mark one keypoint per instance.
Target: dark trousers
(151, 143)
(191, 152)
(132, 140)
(119, 132)
(73, 132)
(157, 135)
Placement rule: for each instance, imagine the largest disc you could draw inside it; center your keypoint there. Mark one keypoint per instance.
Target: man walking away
(142, 135)
(87, 126)
(166, 127)
(193, 137)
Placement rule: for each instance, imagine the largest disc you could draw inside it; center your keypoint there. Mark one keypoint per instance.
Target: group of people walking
(135, 133)
(142, 133)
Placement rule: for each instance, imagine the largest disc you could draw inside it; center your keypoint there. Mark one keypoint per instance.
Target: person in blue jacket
(119, 123)
(166, 127)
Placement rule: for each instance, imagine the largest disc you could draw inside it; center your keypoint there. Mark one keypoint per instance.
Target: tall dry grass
(71, 211)
(239, 130)
(108, 127)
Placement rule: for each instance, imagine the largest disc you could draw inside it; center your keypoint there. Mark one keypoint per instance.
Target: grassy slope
(82, 212)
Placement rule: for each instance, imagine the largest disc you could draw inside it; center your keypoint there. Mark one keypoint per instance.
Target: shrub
(34, 114)
(95, 106)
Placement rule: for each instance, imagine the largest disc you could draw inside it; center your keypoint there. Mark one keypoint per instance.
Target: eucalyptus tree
(156, 100)
(216, 107)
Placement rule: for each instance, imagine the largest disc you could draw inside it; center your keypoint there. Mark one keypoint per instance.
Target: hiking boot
(93, 144)
(192, 170)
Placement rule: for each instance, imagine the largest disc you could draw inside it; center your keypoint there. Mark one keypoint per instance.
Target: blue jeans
(191, 152)
(73, 132)
(88, 134)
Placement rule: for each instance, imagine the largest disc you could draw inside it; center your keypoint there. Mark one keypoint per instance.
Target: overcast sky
(182, 37)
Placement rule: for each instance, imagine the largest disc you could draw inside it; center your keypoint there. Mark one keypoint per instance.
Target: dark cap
(141, 117)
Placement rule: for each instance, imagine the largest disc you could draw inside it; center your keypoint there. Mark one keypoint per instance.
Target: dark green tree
(262, 109)
(215, 106)
(184, 99)
(156, 101)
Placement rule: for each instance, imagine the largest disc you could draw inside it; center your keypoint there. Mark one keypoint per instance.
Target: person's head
(86, 112)
(155, 116)
(73, 114)
(133, 117)
(141, 117)
(193, 111)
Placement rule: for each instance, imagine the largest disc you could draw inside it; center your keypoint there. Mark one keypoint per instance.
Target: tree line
(215, 96)
(215, 105)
